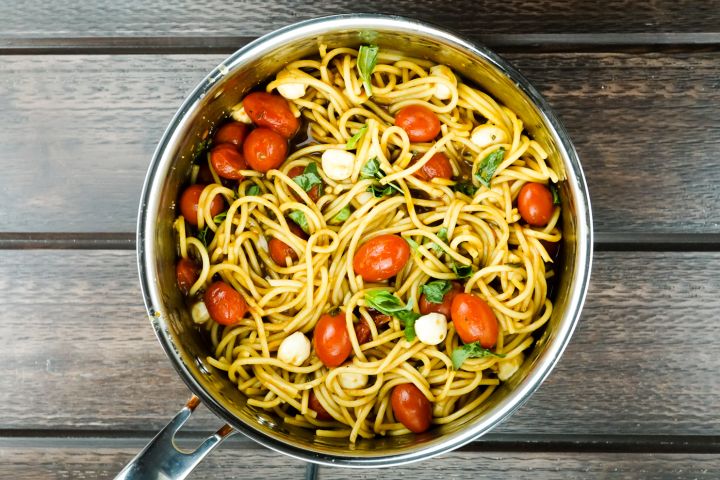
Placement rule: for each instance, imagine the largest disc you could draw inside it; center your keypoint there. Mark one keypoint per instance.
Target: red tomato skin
(420, 123)
(332, 340)
(411, 407)
(474, 320)
(362, 331)
(314, 192)
(204, 175)
(187, 272)
(227, 162)
(279, 250)
(535, 204)
(314, 404)
(444, 307)
(189, 204)
(264, 149)
(381, 257)
(273, 112)
(232, 132)
(225, 304)
(437, 167)
(296, 230)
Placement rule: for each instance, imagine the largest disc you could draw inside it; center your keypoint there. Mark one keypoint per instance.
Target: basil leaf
(379, 191)
(435, 291)
(309, 178)
(252, 190)
(220, 217)
(200, 148)
(352, 143)
(299, 217)
(462, 271)
(489, 165)
(342, 215)
(465, 187)
(203, 234)
(387, 303)
(371, 169)
(471, 350)
(442, 235)
(555, 193)
(366, 61)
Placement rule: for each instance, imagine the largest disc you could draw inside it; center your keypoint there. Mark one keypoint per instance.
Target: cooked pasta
(422, 255)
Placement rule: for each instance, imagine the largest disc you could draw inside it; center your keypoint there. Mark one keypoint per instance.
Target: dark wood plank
(102, 459)
(255, 17)
(80, 354)
(78, 133)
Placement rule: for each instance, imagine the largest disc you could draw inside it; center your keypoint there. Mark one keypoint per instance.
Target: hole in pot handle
(161, 458)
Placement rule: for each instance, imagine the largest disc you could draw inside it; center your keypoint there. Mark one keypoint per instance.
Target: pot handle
(162, 459)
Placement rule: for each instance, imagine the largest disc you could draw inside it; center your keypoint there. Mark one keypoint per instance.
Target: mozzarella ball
(488, 134)
(442, 91)
(352, 381)
(338, 164)
(238, 113)
(507, 368)
(295, 349)
(431, 329)
(200, 313)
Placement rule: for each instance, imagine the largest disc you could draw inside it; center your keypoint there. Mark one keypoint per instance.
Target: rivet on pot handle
(162, 459)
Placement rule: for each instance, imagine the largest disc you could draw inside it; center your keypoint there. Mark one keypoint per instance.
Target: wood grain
(79, 131)
(80, 355)
(100, 460)
(105, 18)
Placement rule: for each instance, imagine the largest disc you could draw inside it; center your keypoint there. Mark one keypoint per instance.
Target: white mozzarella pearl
(488, 134)
(442, 91)
(352, 381)
(507, 368)
(292, 91)
(238, 113)
(295, 349)
(431, 329)
(200, 312)
(338, 164)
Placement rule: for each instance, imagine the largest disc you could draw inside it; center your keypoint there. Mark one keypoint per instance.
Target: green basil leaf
(371, 169)
(435, 291)
(352, 143)
(203, 235)
(555, 193)
(342, 215)
(462, 271)
(409, 331)
(200, 148)
(471, 350)
(442, 235)
(252, 190)
(379, 191)
(309, 178)
(489, 165)
(387, 303)
(366, 61)
(466, 188)
(299, 217)
(220, 217)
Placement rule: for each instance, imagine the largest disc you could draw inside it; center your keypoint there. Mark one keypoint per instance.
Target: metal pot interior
(170, 171)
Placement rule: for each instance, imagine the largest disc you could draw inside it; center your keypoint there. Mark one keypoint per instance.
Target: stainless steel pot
(169, 171)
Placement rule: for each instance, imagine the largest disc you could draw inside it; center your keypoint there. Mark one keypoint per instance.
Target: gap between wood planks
(604, 242)
(526, 43)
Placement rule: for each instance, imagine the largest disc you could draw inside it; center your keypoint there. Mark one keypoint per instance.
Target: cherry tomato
(296, 230)
(314, 192)
(187, 273)
(437, 167)
(444, 307)
(264, 149)
(420, 123)
(189, 203)
(204, 175)
(535, 204)
(380, 319)
(227, 162)
(279, 250)
(474, 320)
(381, 257)
(271, 111)
(332, 340)
(314, 404)
(225, 304)
(231, 132)
(362, 331)
(411, 407)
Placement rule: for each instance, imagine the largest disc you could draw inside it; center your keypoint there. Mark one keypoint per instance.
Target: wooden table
(85, 93)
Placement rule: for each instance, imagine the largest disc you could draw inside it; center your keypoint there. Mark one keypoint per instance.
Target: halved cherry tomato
(314, 404)
(231, 132)
(411, 407)
(296, 230)
(381, 258)
(265, 149)
(224, 304)
(279, 250)
(271, 111)
(444, 307)
(314, 192)
(227, 161)
(437, 167)
(362, 331)
(380, 319)
(474, 320)
(187, 273)
(204, 175)
(535, 204)
(189, 203)
(420, 123)
(332, 340)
